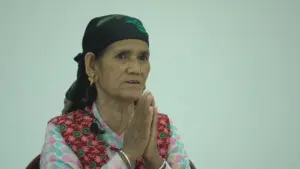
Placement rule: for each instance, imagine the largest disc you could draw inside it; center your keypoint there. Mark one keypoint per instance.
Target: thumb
(154, 121)
(153, 102)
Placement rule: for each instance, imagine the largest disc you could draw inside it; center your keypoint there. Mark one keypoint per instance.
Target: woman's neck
(115, 113)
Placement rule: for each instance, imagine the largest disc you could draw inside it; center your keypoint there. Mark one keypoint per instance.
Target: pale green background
(227, 72)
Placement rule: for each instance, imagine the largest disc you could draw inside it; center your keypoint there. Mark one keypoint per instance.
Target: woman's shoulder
(162, 116)
(163, 121)
(71, 116)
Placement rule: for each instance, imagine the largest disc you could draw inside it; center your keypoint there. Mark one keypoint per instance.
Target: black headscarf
(100, 33)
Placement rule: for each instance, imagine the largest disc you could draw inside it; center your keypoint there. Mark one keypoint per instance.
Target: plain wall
(227, 73)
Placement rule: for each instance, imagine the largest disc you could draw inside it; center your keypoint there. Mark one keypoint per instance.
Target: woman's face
(123, 69)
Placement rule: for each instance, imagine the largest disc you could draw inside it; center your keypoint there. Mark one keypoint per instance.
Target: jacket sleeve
(177, 157)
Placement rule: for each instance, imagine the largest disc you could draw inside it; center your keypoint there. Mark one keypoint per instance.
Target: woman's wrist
(127, 159)
(157, 163)
(131, 158)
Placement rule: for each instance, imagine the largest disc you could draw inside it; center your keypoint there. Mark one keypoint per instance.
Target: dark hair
(84, 94)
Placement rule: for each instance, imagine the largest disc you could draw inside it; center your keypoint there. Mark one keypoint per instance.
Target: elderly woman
(109, 122)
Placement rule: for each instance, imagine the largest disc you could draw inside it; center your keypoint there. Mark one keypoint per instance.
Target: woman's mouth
(133, 82)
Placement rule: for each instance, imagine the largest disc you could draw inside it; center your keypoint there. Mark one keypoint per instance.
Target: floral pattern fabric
(58, 154)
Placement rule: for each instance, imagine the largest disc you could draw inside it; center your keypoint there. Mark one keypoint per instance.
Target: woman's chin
(131, 95)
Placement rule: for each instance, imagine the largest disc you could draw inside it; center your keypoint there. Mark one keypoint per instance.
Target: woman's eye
(144, 57)
(121, 56)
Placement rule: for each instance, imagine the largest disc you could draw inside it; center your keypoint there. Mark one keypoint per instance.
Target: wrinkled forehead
(133, 45)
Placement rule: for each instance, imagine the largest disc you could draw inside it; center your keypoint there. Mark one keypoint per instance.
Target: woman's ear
(89, 61)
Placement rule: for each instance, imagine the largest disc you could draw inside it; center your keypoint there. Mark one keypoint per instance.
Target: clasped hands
(140, 138)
